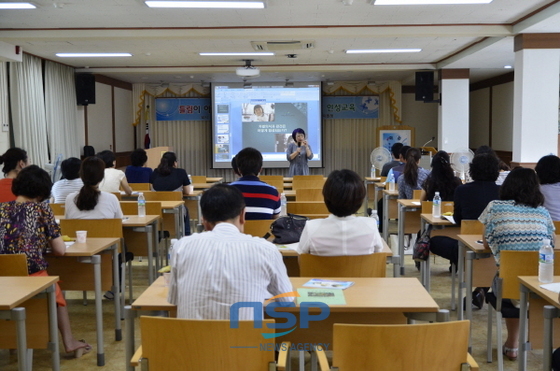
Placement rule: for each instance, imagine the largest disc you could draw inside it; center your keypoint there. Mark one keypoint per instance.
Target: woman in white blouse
(342, 233)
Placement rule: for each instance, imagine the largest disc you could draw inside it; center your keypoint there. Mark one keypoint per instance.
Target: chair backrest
(171, 344)
(307, 207)
(131, 208)
(118, 194)
(140, 186)
(13, 265)
(94, 227)
(380, 347)
(557, 225)
(307, 181)
(416, 194)
(309, 194)
(472, 227)
(257, 228)
(163, 196)
(198, 178)
(520, 263)
(372, 265)
(274, 180)
(58, 209)
(446, 206)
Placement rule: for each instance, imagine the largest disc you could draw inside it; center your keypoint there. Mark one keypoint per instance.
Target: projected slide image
(282, 141)
(223, 138)
(263, 112)
(222, 129)
(262, 135)
(222, 148)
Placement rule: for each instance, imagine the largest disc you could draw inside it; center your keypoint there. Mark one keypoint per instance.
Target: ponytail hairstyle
(410, 172)
(92, 172)
(11, 158)
(167, 163)
(441, 178)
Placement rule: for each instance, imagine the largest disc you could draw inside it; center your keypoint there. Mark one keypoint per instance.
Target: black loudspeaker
(424, 86)
(85, 88)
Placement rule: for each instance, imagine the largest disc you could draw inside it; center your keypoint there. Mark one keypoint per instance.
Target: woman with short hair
(298, 153)
(548, 171)
(14, 160)
(137, 172)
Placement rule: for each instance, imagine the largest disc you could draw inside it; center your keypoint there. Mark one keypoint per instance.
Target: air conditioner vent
(280, 45)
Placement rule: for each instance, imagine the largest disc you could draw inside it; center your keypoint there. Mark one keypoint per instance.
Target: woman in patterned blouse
(27, 226)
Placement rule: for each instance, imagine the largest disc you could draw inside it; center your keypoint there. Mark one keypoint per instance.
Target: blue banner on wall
(351, 107)
(183, 109)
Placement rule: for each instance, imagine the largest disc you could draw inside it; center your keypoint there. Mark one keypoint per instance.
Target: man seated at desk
(262, 200)
(222, 266)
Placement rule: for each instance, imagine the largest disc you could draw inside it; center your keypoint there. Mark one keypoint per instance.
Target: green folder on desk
(327, 296)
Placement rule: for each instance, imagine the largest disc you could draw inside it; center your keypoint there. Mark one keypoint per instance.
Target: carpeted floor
(83, 323)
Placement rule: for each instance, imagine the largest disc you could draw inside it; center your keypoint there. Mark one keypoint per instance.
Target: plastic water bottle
(283, 205)
(436, 208)
(372, 173)
(391, 181)
(173, 242)
(375, 216)
(141, 204)
(546, 262)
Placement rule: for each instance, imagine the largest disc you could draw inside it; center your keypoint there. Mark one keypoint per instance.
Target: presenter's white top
(112, 180)
(212, 270)
(336, 236)
(108, 207)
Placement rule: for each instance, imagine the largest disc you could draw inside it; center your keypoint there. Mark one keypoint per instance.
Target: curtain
(28, 108)
(4, 116)
(60, 103)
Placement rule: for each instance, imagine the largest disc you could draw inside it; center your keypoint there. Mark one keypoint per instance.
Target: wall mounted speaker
(424, 86)
(85, 88)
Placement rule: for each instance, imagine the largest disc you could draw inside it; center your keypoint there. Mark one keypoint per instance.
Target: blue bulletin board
(183, 109)
(351, 107)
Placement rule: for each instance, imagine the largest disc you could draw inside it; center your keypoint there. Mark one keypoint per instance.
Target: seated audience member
(114, 179)
(548, 170)
(137, 172)
(14, 160)
(441, 179)
(413, 175)
(222, 266)
(90, 202)
(396, 171)
(342, 233)
(396, 152)
(70, 181)
(167, 177)
(504, 168)
(234, 168)
(517, 221)
(27, 226)
(468, 203)
(262, 200)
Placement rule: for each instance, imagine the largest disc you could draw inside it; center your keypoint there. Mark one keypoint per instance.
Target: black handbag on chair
(287, 229)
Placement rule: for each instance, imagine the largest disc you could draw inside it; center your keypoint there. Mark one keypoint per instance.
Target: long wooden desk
(16, 291)
(367, 182)
(369, 300)
(73, 276)
(147, 224)
(196, 196)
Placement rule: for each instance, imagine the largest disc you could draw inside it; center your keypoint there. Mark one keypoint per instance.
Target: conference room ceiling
(165, 42)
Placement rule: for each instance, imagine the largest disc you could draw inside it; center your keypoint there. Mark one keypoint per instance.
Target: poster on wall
(183, 109)
(351, 107)
(389, 137)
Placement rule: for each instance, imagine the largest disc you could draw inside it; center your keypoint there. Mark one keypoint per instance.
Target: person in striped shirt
(213, 270)
(262, 200)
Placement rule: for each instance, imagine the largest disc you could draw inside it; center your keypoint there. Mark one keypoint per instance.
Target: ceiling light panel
(236, 54)
(370, 51)
(83, 55)
(17, 6)
(207, 4)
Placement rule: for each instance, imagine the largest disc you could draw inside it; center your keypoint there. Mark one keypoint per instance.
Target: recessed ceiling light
(429, 2)
(17, 6)
(79, 55)
(364, 51)
(508, 66)
(238, 54)
(206, 4)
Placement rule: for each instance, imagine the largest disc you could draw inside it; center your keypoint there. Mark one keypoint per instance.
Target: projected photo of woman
(261, 112)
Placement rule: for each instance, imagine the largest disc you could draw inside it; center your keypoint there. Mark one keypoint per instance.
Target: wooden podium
(154, 156)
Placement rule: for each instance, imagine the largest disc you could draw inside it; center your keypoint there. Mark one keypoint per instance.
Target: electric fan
(379, 157)
(460, 161)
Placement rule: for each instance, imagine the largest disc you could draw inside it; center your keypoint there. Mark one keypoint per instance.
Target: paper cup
(81, 236)
(167, 278)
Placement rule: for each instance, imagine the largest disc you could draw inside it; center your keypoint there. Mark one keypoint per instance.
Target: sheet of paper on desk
(68, 243)
(448, 218)
(290, 246)
(328, 284)
(327, 296)
(416, 203)
(554, 287)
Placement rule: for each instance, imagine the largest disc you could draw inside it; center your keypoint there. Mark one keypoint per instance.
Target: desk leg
(453, 279)
(119, 296)
(150, 232)
(18, 316)
(401, 213)
(53, 328)
(386, 218)
(549, 313)
(461, 265)
(96, 261)
(469, 272)
(524, 346)
(129, 317)
(366, 199)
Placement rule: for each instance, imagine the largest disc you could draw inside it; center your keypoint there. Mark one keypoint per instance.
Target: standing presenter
(298, 153)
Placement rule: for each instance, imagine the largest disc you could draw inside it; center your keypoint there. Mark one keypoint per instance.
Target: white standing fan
(379, 157)
(460, 161)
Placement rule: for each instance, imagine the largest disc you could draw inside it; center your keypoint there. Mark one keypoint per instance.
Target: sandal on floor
(78, 352)
(510, 351)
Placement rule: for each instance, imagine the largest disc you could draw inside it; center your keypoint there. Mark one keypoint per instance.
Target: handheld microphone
(299, 144)
(429, 141)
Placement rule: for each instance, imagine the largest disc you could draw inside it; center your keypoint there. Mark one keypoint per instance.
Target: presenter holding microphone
(298, 153)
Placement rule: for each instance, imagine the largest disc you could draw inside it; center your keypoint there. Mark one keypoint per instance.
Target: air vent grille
(280, 45)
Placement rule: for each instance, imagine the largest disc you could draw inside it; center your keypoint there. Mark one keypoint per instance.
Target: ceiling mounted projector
(248, 71)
